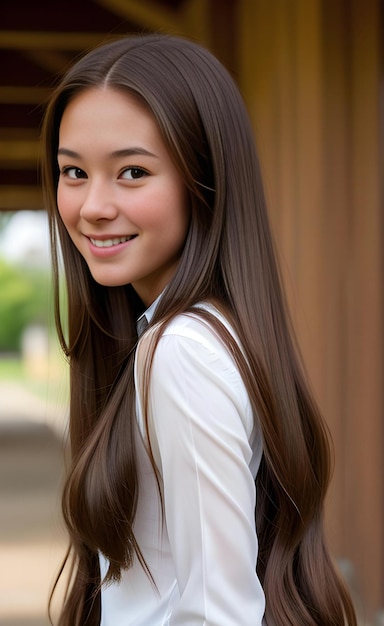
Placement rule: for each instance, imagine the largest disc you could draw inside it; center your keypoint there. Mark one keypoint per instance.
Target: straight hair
(228, 259)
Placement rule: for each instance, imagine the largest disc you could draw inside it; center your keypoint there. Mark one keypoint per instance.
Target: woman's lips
(108, 247)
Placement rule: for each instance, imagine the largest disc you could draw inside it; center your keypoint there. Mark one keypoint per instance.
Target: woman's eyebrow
(136, 150)
(69, 153)
(124, 152)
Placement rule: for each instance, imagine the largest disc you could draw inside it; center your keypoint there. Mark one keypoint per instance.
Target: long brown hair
(229, 259)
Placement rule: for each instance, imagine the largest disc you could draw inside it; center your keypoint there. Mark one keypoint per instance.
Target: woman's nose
(98, 203)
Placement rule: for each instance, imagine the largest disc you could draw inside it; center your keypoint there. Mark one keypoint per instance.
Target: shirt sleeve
(200, 424)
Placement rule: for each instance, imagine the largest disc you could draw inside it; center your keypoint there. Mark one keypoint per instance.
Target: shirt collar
(149, 313)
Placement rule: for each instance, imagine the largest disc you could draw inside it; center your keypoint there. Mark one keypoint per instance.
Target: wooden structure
(311, 72)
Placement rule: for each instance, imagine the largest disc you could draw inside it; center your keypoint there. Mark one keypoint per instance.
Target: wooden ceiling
(38, 40)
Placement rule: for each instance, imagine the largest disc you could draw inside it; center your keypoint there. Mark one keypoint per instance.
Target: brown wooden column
(311, 73)
(365, 458)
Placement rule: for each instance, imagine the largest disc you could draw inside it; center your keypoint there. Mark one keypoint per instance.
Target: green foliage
(24, 300)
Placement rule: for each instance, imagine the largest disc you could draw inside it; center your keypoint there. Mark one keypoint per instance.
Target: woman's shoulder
(193, 334)
(196, 324)
(198, 336)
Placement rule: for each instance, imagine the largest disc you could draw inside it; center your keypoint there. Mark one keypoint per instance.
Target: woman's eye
(133, 173)
(73, 172)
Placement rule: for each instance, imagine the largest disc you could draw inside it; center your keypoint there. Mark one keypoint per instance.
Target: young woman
(200, 462)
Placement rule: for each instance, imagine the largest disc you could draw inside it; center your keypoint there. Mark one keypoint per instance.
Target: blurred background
(311, 72)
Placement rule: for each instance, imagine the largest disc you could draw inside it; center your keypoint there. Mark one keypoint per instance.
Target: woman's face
(120, 195)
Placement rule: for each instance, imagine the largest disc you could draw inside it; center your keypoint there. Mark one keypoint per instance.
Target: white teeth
(107, 243)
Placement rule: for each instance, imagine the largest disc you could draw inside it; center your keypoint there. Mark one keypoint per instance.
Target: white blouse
(207, 447)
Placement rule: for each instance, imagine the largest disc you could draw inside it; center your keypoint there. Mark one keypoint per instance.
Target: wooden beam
(145, 14)
(55, 62)
(195, 17)
(18, 198)
(23, 95)
(40, 40)
(16, 134)
(16, 154)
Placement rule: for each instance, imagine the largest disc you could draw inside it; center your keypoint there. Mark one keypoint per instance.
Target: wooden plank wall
(311, 71)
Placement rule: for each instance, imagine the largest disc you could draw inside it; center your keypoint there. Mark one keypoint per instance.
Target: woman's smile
(110, 246)
(112, 241)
